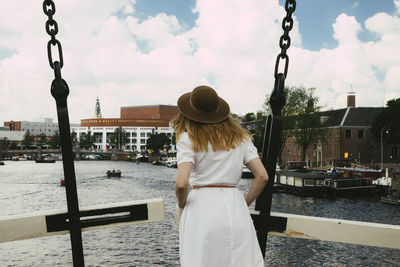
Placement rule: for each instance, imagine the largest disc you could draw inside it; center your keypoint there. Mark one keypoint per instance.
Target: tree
(157, 141)
(74, 139)
(389, 116)
(118, 138)
(54, 141)
(300, 118)
(42, 139)
(249, 117)
(4, 143)
(28, 139)
(87, 141)
(306, 121)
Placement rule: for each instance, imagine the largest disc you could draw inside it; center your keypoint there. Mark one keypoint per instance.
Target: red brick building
(347, 136)
(153, 115)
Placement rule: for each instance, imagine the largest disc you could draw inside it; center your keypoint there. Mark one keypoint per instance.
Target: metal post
(272, 140)
(385, 128)
(60, 91)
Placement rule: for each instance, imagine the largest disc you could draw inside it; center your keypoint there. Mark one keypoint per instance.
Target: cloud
(110, 53)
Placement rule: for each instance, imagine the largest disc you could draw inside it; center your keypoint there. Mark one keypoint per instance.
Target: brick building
(347, 135)
(137, 121)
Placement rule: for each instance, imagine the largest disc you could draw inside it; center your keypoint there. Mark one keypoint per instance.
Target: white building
(136, 136)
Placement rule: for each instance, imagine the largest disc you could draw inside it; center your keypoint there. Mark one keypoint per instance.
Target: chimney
(351, 99)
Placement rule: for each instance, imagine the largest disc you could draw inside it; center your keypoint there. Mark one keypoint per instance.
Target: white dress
(216, 228)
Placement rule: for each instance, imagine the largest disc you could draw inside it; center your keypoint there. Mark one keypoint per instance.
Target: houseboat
(306, 183)
(324, 184)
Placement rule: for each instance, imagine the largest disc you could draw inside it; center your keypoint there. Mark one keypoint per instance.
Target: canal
(27, 187)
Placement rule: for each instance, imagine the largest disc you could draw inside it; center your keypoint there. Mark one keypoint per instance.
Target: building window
(134, 141)
(143, 141)
(348, 134)
(134, 134)
(142, 134)
(360, 133)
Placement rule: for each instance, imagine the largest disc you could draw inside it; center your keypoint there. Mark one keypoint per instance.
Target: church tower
(97, 111)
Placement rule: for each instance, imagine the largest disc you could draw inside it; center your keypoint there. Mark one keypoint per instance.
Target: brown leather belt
(213, 185)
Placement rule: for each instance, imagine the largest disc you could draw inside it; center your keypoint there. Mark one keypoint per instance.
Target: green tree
(306, 120)
(54, 141)
(389, 116)
(87, 141)
(249, 117)
(4, 144)
(157, 141)
(28, 139)
(118, 139)
(42, 139)
(74, 139)
(300, 118)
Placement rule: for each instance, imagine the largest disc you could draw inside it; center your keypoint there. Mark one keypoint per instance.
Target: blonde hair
(224, 135)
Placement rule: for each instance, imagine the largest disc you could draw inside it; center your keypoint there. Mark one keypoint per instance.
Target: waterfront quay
(27, 187)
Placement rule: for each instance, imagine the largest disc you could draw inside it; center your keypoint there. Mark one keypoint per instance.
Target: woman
(215, 228)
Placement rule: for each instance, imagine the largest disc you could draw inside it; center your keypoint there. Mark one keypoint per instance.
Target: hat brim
(220, 114)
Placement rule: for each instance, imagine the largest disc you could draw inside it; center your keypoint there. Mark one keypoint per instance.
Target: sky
(149, 52)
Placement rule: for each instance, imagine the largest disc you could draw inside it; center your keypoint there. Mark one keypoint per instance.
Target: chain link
(285, 41)
(49, 9)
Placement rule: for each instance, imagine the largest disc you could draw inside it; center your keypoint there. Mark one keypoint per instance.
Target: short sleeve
(250, 152)
(184, 150)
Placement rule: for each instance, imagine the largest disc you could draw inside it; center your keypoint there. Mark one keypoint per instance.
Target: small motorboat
(114, 174)
(2, 163)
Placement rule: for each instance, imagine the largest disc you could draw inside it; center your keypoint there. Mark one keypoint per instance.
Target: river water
(27, 187)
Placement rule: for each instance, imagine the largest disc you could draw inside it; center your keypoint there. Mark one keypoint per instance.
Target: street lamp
(385, 129)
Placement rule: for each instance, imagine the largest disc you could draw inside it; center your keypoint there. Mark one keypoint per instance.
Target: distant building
(11, 135)
(46, 126)
(137, 121)
(347, 137)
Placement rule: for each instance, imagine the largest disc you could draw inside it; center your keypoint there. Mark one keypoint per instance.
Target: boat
(171, 162)
(45, 160)
(2, 163)
(305, 183)
(62, 182)
(143, 158)
(337, 182)
(114, 174)
(157, 163)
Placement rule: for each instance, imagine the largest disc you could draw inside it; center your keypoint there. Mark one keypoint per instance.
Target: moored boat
(45, 160)
(2, 163)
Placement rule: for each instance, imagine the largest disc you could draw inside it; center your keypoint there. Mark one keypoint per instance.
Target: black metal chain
(49, 9)
(284, 41)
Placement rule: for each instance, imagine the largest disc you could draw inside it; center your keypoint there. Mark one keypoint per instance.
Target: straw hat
(203, 105)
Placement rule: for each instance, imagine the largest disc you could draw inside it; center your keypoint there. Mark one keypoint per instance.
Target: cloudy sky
(145, 52)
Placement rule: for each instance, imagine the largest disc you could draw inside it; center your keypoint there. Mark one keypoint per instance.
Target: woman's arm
(182, 183)
(260, 179)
